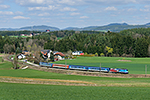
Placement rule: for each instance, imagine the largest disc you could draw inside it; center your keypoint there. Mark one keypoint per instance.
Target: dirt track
(44, 81)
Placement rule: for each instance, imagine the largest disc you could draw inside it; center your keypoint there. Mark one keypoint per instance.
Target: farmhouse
(21, 56)
(59, 56)
(26, 53)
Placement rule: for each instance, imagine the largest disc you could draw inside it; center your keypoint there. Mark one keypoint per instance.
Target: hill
(40, 28)
(114, 27)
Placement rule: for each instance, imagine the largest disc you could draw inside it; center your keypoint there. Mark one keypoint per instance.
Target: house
(47, 30)
(26, 53)
(22, 35)
(59, 56)
(77, 53)
(46, 53)
(21, 56)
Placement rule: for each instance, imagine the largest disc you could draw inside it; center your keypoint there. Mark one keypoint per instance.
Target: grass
(114, 88)
(5, 70)
(135, 66)
(52, 92)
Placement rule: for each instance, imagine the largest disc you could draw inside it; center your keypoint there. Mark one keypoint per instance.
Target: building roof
(59, 53)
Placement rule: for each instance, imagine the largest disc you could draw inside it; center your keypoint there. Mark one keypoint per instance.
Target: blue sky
(72, 13)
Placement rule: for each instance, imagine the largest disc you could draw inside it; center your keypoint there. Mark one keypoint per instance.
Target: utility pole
(100, 67)
(145, 70)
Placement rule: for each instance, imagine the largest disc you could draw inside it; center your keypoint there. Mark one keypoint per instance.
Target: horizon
(65, 27)
(72, 13)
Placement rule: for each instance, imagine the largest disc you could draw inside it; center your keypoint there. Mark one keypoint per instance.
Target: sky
(72, 13)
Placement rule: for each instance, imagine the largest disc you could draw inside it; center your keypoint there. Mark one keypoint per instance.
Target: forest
(126, 43)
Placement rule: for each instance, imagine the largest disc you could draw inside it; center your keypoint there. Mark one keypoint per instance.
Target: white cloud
(21, 17)
(74, 13)
(42, 8)
(131, 9)
(68, 9)
(84, 17)
(24, 2)
(6, 13)
(44, 14)
(33, 2)
(110, 9)
(144, 10)
(69, 2)
(4, 6)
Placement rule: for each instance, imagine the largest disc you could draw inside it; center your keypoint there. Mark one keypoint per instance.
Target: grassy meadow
(134, 65)
(107, 89)
(54, 92)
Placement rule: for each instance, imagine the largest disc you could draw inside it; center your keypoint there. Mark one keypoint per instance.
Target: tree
(108, 51)
(149, 50)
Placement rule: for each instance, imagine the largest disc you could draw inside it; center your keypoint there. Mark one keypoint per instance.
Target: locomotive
(85, 68)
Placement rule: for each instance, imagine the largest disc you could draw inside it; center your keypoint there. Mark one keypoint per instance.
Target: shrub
(102, 54)
(96, 54)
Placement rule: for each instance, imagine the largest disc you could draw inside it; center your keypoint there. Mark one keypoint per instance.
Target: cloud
(6, 13)
(110, 9)
(70, 2)
(84, 17)
(44, 14)
(21, 17)
(33, 2)
(146, 8)
(42, 8)
(4, 6)
(74, 13)
(131, 9)
(68, 9)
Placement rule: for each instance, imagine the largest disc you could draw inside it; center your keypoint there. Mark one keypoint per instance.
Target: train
(85, 68)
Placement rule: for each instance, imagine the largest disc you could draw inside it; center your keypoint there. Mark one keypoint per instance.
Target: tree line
(130, 43)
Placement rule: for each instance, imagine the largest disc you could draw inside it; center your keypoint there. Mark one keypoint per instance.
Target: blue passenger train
(85, 68)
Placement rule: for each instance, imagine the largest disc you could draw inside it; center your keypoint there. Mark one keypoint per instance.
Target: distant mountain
(114, 27)
(40, 28)
(71, 28)
(8, 29)
(113, 24)
(147, 24)
(30, 28)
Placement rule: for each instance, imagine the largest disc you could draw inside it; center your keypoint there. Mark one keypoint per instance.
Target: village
(49, 55)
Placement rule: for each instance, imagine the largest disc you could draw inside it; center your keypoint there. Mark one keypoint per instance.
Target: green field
(5, 70)
(52, 92)
(135, 66)
(107, 88)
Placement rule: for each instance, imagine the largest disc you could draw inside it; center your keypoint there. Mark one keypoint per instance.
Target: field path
(8, 79)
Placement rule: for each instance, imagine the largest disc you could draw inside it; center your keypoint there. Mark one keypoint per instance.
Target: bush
(96, 54)
(2, 60)
(102, 54)
(88, 55)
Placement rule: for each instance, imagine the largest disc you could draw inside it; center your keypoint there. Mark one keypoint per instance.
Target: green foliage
(132, 42)
(96, 54)
(102, 54)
